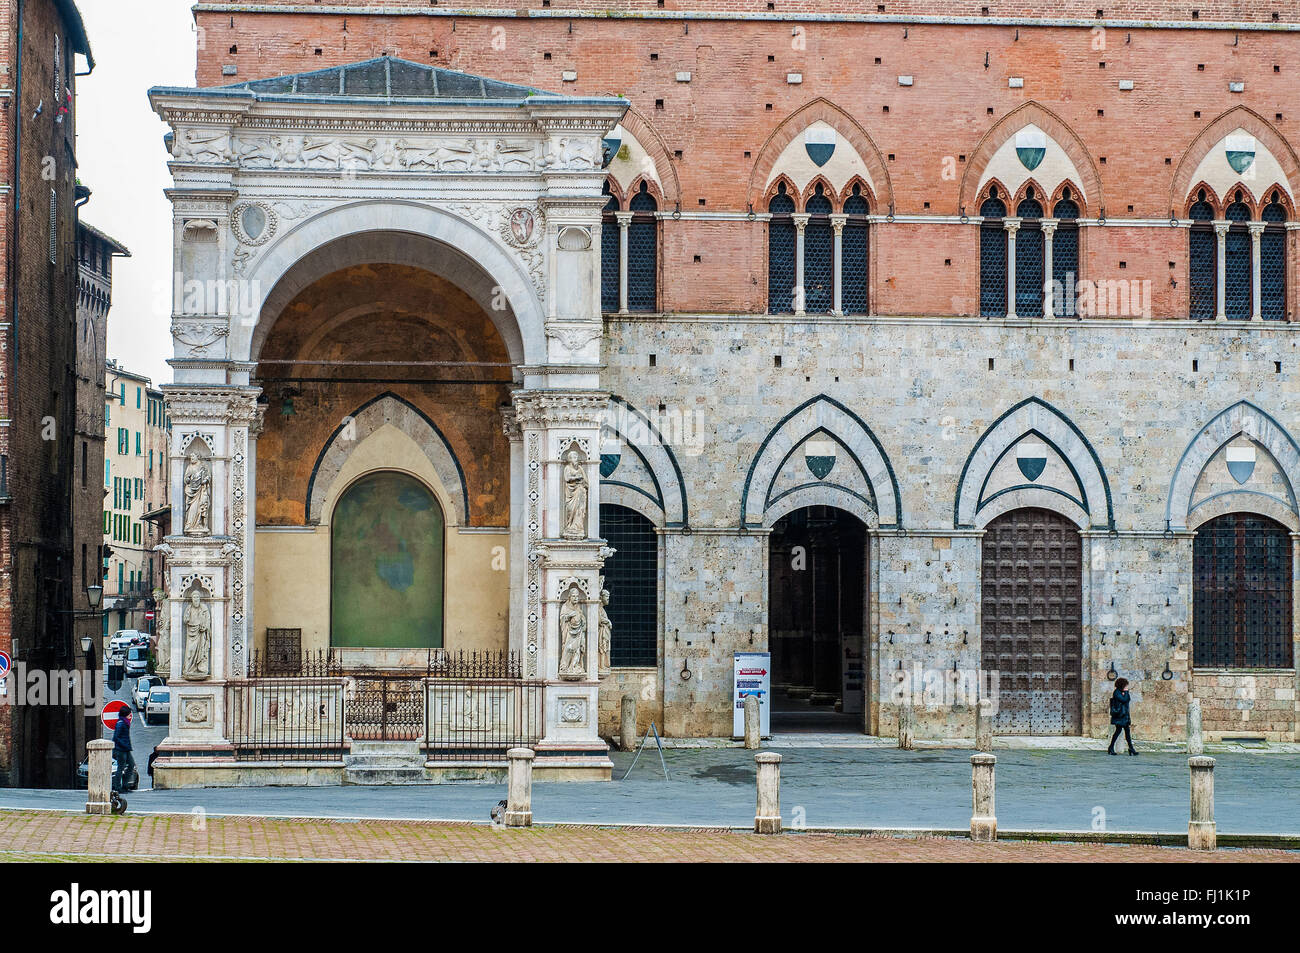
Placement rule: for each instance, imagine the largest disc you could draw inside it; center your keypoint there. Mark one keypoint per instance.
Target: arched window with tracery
(1272, 261)
(642, 232)
(1065, 254)
(610, 254)
(780, 253)
(993, 256)
(853, 254)
(1029, 257)
(818, 255)
(1202, 259)
(1236, 261)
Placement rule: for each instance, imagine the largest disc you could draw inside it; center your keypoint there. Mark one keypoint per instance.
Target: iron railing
(286, 719)
(469, 719)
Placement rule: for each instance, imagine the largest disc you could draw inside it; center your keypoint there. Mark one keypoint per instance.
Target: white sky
(120, 155)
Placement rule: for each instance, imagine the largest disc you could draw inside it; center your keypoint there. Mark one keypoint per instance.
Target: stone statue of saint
(198, 640)
(198, 496)
(573, 637)
(575, 497)
(163, 650)
(606, 628)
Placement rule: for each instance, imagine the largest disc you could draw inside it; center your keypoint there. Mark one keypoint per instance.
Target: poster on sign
(752, 675)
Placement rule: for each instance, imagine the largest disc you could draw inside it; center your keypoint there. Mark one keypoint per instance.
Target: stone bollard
(906, 726)
(1201, 830)
(99, 783)
(983, 727)
(627, 723)
(753, 722)
(519, 797)
(983, 820)
(1195, 739)
(767, 814)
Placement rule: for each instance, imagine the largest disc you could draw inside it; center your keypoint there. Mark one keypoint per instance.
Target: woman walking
(1119, 716)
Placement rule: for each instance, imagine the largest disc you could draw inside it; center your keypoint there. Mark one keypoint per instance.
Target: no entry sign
(112, 711)
(6, 663)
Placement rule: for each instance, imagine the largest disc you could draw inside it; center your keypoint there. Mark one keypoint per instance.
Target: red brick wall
(933, 129)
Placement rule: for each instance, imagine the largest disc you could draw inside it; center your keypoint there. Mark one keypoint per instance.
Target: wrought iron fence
(279, 663)
(385, 707)
(474, 719)
(286, 719)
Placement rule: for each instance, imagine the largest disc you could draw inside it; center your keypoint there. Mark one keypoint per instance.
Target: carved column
(800, 299)
(564, 555)
(1049, 288)
(624, 221)
(1221, 252)
(1012, 225)
(1256, 310)
(837, 223)
(518, 541)
(208, 554)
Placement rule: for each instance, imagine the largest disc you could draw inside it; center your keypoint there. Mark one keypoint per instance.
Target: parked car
(158, 706)
(140, 694)
(137, 660)
(123, 639)
(83, 776)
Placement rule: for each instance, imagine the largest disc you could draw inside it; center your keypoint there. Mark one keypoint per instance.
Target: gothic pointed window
(1202, 259)
(993, 257)
(1241, 586)
(1029, 257)
(819, 255)
(641, 252)
(1065, 254)
(1272, 261)
(609, 254)
(1236, 262)
(780, 253)
(853, 254)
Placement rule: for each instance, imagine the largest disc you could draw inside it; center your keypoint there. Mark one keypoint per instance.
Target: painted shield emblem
(1241, 152)
(608, 149)
(1031, 147)
(609, 463)
(610, 452)
(1241, 463)
(521, 224)
(820, 457)
(819, 144)
(1031, 457)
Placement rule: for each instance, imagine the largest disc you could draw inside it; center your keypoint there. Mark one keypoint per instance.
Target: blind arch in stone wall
(653, 485)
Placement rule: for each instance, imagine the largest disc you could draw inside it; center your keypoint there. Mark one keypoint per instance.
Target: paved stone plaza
(1037, 789)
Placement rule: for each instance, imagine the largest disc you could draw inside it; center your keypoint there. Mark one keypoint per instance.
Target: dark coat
(1119, 708)
(121, 736)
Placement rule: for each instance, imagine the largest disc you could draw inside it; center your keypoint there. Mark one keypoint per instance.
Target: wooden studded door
(1032, 622)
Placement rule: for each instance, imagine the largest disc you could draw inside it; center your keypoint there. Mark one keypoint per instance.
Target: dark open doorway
(817, 596)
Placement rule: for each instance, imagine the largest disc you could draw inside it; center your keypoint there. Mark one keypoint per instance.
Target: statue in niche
(575, 497)
(198, 496)
(198, 639)
(573, 637)
(606, 630)
(163, 650)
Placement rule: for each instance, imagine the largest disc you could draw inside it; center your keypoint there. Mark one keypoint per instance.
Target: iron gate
(385, 707)
(1032, 622)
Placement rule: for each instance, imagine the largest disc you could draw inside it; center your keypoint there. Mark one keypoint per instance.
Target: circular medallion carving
(254, 223)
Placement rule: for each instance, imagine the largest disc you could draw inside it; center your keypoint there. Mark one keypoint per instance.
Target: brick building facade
(939, 339)
(41, 742)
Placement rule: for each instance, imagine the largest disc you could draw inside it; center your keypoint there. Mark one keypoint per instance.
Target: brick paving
(31, 835)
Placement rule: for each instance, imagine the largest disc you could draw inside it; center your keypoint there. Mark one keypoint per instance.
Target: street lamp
(95, 596)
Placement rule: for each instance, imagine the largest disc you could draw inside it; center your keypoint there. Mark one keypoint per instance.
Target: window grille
(641, 252)
(609, 255)
(853, 254)
(1242, 593)
(819, 256)
(1272, 263)
(1237, 264)
(993, 259)
(1202, 263)
(632, 579)
(54, 227)
(1029, 260)
(1065, 256)
(780, 254)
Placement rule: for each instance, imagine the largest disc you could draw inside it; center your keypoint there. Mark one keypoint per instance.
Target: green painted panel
(387, 565)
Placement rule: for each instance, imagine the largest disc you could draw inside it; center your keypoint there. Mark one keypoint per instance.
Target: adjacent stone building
(41, 735)
(906, 342)
(136, 483)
